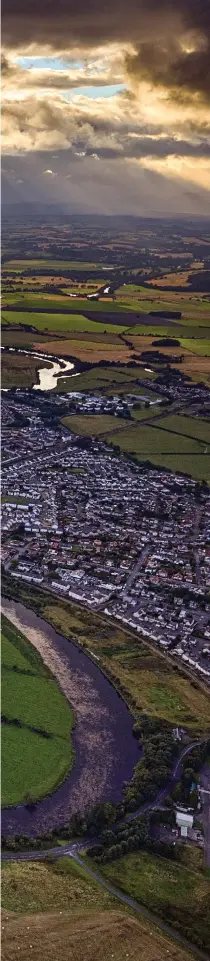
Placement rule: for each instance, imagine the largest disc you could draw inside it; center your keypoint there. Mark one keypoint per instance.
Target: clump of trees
(153, 770)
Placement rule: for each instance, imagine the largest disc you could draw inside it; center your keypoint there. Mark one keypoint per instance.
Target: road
(205, 800)
(121, 896)
(132, 576)
(70, 848)
(198, 515)
(73, 850)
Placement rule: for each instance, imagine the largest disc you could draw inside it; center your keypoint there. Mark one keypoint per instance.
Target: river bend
(105, 748)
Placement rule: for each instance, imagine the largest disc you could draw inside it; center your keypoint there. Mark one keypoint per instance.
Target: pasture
(155, 443)
(92, 424)
(188, 426)
(108, 380)
(37, 723)
(194, 307)
(58, 322)
(147, 441)
(165, 449)
(177, 892)
(49, 263)
(46, 301)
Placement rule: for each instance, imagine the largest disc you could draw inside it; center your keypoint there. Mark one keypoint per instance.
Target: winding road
(73, 851)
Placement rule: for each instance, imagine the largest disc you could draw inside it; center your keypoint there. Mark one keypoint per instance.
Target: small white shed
(184, 821)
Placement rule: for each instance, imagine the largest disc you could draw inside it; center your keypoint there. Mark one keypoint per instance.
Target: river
(105, 748)
(47, 375)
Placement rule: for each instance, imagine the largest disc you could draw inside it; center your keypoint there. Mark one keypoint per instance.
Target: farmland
(188, 426)
(90, 425)
(166, 449)
(106, 380)
(47, 301)
(59, 908)
(137, 297)
(178, 892)
(37, 722)
(174, 449)
(56, 265)
(20, 370)
(57, 322)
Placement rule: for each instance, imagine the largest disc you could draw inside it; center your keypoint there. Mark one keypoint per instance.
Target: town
(87, 524)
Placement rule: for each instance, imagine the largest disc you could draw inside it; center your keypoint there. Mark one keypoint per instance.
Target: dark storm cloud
(70, 23)
(149, 147)
(156, 28)
(168, 66)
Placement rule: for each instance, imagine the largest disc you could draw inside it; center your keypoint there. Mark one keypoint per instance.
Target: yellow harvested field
(93, 424)
(88, 349)
(100, 936)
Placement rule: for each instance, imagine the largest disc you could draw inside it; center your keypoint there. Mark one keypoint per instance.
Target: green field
(194, 330)
(108, 379)
(179, 892)
(166, 449)
(60, 322)
(47, 262)
(151, 440)
(160, 445)
(201, 347)
(37, 723)
(92, 424)
(188, 426)
(49, 301)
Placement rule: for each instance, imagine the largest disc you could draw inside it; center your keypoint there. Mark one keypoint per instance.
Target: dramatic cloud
(125, 84)
(173, 68)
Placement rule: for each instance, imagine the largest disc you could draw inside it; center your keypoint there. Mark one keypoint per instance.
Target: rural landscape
(105, 589)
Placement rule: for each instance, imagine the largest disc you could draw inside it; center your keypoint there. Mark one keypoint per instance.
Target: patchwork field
(57, 910)
(108, 380)
(154, 442)
(37, 722)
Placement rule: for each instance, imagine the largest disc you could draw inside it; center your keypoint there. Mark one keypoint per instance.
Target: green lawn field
(179, 892)
(188, 426)
(90, 424)
(48, 301)
(150, 440)
(108, 379)
(196, 346)
(37, 723)
(157, 443)
(47, 262)
(61, 322)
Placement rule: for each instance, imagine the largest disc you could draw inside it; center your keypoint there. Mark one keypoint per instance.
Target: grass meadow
(37, 723)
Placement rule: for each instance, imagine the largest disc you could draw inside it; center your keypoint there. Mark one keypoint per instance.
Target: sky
(106, 107)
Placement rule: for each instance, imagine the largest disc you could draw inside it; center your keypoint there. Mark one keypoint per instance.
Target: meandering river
(47, 375)
(105, 748)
